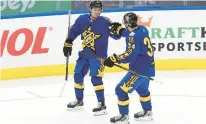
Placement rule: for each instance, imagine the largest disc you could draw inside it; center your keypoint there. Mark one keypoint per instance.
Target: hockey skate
(120, 119)
(145, 115)
(101, 109)
(75, 105)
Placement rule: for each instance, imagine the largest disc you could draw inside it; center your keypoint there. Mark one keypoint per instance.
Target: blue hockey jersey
(94, 34)
(139, 53)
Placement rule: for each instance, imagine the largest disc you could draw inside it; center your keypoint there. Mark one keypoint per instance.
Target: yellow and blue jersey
(139, 53)
(94, 34)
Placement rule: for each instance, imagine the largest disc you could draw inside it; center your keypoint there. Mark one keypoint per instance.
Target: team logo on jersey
(89, 38)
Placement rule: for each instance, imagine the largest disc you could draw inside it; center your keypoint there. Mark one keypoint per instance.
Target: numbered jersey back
(144, 63)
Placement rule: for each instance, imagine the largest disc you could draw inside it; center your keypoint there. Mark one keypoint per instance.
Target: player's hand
(115, 24)
(67, 49)
(116, 28)
(110, 60)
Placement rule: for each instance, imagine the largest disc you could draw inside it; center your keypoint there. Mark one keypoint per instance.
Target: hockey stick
(67, 58)
(119, 66)
(67, 61)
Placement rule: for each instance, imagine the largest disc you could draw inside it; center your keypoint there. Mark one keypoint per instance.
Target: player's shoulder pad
(108, 19)
(143, 28)
(142, 32)
(83, 16)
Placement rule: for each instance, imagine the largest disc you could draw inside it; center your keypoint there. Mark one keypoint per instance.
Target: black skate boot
(120, 119)
(101, 109)
(77, 104)
(145, 115)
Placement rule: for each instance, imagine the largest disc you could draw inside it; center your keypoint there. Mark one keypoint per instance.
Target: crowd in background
(36, 6)
(81, 5)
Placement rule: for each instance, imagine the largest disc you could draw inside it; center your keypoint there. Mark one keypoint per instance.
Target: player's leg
(81, 70)
(121, 91)
(96, 73)
(145, 100)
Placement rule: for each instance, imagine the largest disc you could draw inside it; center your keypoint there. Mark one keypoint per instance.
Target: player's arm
(117, 29)
(73, 32)
(128, 56)
(116, 37)
(111, 34)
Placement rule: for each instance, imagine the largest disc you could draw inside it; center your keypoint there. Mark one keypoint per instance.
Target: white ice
(181, 99)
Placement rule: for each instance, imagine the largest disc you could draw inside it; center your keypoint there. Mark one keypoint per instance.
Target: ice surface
(181, 99)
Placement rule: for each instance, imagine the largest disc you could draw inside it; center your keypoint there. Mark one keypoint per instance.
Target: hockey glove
(110, 60)
(116, 28)
(67, 49)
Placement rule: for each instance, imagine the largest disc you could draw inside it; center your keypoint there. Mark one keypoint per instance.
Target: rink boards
(32, 47)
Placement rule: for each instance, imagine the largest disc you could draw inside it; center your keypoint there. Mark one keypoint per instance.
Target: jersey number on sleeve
(148, 43)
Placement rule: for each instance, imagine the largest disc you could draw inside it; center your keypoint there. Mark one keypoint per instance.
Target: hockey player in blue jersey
(94, 30)
(140, 56)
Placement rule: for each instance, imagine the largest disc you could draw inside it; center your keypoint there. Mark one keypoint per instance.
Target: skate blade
(126, 122)
(102, 112)
(144, 119)
(76, 108)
